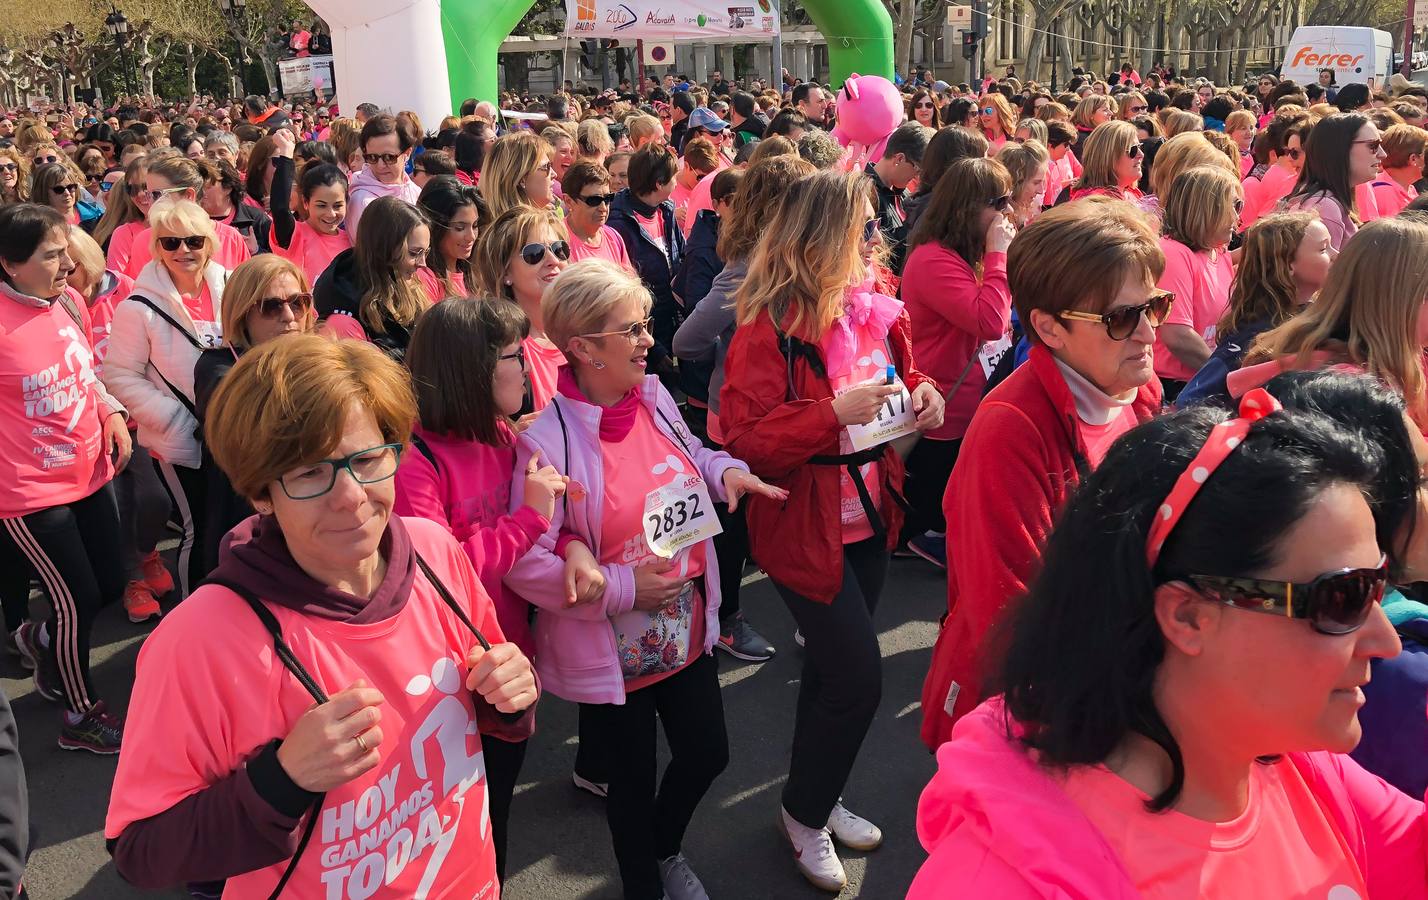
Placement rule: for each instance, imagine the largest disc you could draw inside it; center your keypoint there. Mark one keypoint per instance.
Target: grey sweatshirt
(706, 334)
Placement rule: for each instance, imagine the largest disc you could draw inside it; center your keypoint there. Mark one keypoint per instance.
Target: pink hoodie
(997, 825)
(468, 493)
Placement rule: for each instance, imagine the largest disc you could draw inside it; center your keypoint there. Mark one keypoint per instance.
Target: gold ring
(362, 744)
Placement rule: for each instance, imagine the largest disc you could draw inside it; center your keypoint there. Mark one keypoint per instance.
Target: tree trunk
(190, 65)
(902, 37)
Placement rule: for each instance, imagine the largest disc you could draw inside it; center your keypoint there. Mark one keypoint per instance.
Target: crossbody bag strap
(174, 323)
(291, 663)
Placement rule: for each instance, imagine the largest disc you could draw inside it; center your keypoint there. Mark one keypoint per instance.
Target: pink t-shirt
(415, 825)
(51, 420)
(543, 362)
(869, 361)
(653, 226)
(645, 461)
(101, 316)
(701, 198)
(436, 288)
(1099, 438)
(1201, 284)
(612, 246)
(121, 245)
(231, 252)
(1388, 196)
(1262, 195)
(1282, 845)
(311, 250)
(1367, 202)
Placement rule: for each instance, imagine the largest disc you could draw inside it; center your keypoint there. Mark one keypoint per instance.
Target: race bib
(992, 352)
(895, 418)
(210, 334)
(678, 515)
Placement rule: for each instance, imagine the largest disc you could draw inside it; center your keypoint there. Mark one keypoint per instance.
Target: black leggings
(78, 551)
(503, 770)
(186, 489)
(929, 465)
(841, 686)
(648, 825)
(732, 549)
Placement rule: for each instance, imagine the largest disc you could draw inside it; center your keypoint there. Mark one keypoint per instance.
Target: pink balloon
(869, 109)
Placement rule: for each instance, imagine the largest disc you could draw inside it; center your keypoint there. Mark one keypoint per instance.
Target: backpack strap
(425, 450)
(67, 302)
(451, 601)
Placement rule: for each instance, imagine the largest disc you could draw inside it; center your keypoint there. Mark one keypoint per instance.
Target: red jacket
(798, 542)
(1021, 459)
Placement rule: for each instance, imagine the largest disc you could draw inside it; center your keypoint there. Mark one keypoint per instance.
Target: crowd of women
(1140, 365)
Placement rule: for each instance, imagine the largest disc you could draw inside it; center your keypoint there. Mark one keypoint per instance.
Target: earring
(596, 364)
(263, 509)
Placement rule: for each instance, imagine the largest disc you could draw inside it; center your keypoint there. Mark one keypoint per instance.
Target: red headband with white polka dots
(1224, 438)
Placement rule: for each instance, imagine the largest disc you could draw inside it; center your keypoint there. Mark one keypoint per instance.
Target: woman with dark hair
(962, 112)
(456, 214)
(643, 215)
(1353, 98)
(1187, 736)
(315, 241)
(1343, 151)
(949, 144)
(54, 185)
(470, 151)
(922, 109)
(258, 175)
(222, 199)
(468, 371)
(64, 437)
(955, 288)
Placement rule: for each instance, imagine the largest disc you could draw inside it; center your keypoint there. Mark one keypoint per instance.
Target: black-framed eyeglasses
(870, 228)
(365, 466)
(1337, 602)
(633, 334)
(62, 189)
(595, 200)
(1001, 203)
(271, 307)
(385, 158)
(519, 356)
(1122, 323)
(1294, 153)
(192, 241)
(533, 253)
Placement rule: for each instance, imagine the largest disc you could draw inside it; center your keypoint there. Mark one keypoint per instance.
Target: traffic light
(969, 45)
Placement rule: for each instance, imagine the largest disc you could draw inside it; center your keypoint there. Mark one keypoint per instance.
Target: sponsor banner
(670, 19)
(305, 74)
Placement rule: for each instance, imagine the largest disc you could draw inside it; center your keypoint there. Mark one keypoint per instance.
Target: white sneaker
(852, 831)
(798, 637)
(680, 882)
(813, 853)
(590, 787)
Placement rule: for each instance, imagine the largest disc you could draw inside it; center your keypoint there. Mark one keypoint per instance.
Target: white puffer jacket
(150, 363)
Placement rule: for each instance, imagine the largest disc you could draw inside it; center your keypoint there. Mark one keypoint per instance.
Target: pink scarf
(863, 308)
(615, 421)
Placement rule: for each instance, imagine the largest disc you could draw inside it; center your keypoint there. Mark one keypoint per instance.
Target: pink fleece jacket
(998, 825)
(468, 492)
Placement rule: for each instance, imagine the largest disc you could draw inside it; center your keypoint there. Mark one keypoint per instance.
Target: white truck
(1357, 55)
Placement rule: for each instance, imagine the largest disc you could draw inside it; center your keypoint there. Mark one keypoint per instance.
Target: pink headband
(1224, 438)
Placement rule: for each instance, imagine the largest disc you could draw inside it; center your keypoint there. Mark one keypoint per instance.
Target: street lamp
(118, 28)
(233, 11)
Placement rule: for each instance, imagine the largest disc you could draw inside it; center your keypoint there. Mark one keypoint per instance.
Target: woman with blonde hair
(1200, 216)
(181, 178)
(1111, 159)
(372, 292)
(174, 313)
(1026, 162)
(560, 145)
(265, 298)
(640, 653)
(1091, 112)
(643, 129)
(997, 120)
(54, 185)
(518, 256)
(518, 172)
(1284, 261)
(1131, 104)
(346, 140)
(1181, 154)
(1366, 317)
(818, 357)
(592, 141)
(14, 176)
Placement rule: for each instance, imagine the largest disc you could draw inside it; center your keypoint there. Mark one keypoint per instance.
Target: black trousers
(732, 549)
(503, 770)
(78, 551)
(186, 489)
(929, 465)
(648, 824)
(15, 576)
(841, 686)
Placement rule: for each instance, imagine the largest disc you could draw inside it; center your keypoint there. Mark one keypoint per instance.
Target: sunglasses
(42, 160)
(1134, 152)
(271, 307)
(384, 158)
(1122, 323)
(1373, 145)
(106, 186)
(924, 104)
(534, 253)
(1294, 154)
(192, 242)
(156, 196)
(988, 111)
(870, 228)
(1336, 602)
(595, 200)
(633, 334)
(1001, 203)
(60, 190)
(9, 167)
(1139, 109)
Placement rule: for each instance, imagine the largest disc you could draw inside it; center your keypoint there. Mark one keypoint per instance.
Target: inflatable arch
(429, 55)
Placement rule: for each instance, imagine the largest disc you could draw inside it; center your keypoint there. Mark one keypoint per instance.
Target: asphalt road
(559, 843)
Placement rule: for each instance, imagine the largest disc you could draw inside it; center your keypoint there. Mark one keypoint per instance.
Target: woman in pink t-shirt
(125, 211)
(391, 663)
(455, 213)
(518, 257)
(1187, 739)
(179, 177)
(587, 198)
(322, 198)
(1202, 210)
(1112, 160)
(641, 652)
(62, 436)
(468, 369)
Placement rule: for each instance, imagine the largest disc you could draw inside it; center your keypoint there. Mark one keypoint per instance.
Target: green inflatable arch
(859, 34)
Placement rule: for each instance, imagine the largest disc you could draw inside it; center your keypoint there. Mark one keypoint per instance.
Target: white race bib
(678, 515)
(895, 418)
(992, 352)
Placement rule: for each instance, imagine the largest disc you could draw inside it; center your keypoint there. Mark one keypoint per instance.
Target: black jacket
(222, 507)
(892, 219)
(255, 226)
(691, 284)
(339, 289)
(655, 265)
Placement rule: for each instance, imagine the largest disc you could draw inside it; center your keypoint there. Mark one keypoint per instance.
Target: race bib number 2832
(678, 515)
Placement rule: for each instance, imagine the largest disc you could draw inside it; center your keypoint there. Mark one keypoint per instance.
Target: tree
(910, 17)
